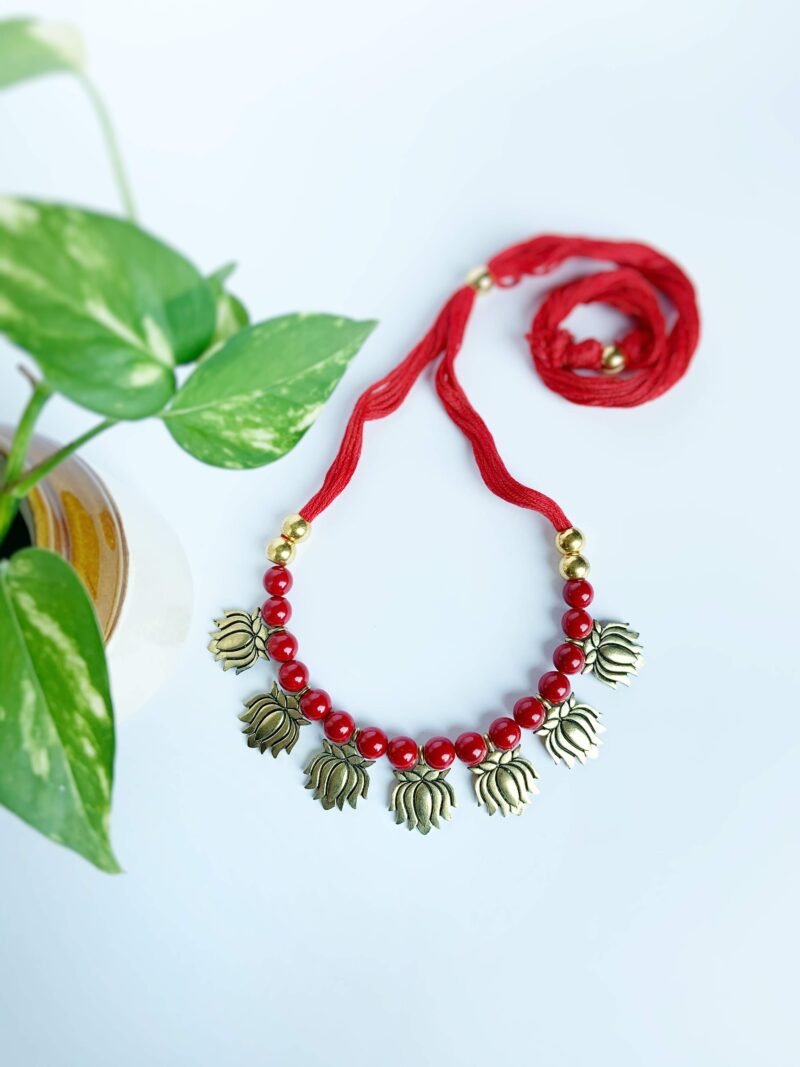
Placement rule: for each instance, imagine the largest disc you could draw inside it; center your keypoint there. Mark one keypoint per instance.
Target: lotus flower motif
(503, 781)
(420, 797)
(338, 774)
(272, 721)
(239, 639)
(612, 653)
(570, 731)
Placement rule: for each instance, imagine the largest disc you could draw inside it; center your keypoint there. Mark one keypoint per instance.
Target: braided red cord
(655, 358)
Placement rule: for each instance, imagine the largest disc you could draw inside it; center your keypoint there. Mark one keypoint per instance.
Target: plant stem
(15, 462)
(112, 146)
(22, 437)
(22, 486)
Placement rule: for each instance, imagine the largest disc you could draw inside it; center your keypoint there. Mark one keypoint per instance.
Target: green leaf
(251, 401)
(104, 308)
(232, 315)
(56, 719)
(221, 275)
(29, 48)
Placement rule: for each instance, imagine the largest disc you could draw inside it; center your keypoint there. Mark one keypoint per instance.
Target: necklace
(640, 366)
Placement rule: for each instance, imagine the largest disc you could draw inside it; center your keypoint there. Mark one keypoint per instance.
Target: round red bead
(554, 687)
(530, 713)
(293, 676)
(578, 593)
(504, 733)
(576, 623)
(277, 581)
(315, 704)
(371, 742)
(402, 753)
(282, 646)
(568, 658)
(276, 611)
(439, 753)
(339, 727)
(471, 748)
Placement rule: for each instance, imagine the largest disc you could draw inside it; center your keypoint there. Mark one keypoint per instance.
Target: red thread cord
(655, 357)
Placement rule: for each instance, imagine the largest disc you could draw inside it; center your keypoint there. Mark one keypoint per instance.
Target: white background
(360, 157)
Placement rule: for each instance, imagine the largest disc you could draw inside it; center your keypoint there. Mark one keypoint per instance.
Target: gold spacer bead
(569, 542)
(295, 528)
(480, 279)
(612, 360)
(280, 551)
(573, 567)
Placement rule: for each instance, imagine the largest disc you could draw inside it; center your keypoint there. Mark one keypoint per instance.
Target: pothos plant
(109, 313)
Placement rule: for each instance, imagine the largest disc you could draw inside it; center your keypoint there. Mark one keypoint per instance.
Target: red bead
(282, 646)
(293, 676)
(439, 753)
(504, 733)
(371, 742)
(471, 748)
(277, 581)
(568, 658)
(276, 611)
(315, 704)
(530, 713)
(576, 623)
(339, 727)
(402, 753)
(554, 687)
(578, 593)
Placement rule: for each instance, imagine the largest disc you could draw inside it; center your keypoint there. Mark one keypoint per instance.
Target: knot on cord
(655, 356)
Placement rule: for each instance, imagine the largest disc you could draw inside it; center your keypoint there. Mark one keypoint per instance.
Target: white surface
(360, 157)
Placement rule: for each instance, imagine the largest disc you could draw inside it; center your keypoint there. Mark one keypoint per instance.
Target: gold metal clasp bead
(573, 566)
(296, 529)
(480, 279)
(280, 551)
(570, 541)
(612, 360)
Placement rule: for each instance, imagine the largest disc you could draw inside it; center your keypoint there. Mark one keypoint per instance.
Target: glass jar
(71, 512)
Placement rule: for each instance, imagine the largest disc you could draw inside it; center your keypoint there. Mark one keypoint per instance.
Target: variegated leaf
(231, 315)
(30, 48)
(56, 719)
(251, 401)
(105, 309)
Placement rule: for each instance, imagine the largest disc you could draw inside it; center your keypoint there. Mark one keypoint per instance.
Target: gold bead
(280, 551)
(480, 279)
(296, 528)
(569, 542)
(612, 360)
(573, 567)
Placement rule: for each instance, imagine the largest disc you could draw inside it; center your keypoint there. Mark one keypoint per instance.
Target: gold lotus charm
(272, 721)
(239, 640)
(612, 653)
(420, 797)
(503, 781)
(570, 731)
(338, 774)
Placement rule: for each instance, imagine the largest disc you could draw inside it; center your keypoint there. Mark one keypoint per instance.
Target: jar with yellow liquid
(127, 557)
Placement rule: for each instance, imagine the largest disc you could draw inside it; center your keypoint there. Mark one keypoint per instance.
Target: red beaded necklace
(643, 364)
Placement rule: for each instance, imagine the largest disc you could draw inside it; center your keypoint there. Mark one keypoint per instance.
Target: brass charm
(239, 640)
(503, 781)
(338, 774)
(420, 797)
(612, 654)
(272, 721)
(570, 731)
